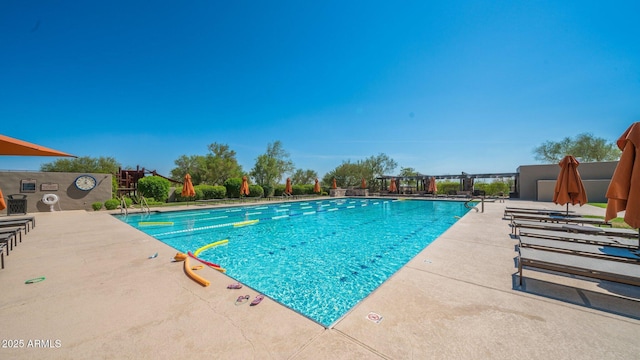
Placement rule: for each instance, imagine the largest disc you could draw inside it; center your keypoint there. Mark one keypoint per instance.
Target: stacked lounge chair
(579, 249)
(11, 232)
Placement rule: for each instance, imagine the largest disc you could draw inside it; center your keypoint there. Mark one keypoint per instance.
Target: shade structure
(3, 204)
(187, 187)
(316, 187)
(11, 146)
(433, 188)
(569, 188)
(287, 187)
(392, 187)
(244, 188)
(624, 190)
(363, 183)
(333, 184)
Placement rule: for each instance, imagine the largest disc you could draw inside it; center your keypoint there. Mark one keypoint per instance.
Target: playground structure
(128, 180)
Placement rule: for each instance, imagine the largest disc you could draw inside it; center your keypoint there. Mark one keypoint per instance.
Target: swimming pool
(319, 258)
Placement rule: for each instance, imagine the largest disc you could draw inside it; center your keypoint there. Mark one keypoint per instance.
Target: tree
(192, 165)
(85, 164)
(406, 172)
(346, 174)
(271, 166)
(214, 168)
(221, 164)
(584, 146)
(351, 174)
(304, 177)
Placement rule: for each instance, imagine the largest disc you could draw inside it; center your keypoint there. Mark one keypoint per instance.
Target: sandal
(242, 299)
(234, 286)
(257, 300)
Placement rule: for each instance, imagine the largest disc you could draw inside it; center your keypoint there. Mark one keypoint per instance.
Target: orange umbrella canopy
(392, 187)
(624, 190)
(11, 146)
(433, 188)
(287, 188)
(333, 184)
(244, 188)
(3, 205)
(316, 187)
(187, 187)
(363, 184)
(569, 187)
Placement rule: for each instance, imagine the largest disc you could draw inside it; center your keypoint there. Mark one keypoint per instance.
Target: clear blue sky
(442, 87)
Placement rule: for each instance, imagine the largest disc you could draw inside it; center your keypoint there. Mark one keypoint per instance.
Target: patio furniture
(561, 219)
(576, 264)
(517, 225)
(586, 238)
(27, 223)
(599, 251)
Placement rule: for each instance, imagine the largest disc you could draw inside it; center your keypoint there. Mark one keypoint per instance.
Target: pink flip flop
(242, 299)
(257, 300)
(234, 286)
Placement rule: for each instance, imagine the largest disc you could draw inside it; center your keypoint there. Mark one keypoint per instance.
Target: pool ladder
(144, 206)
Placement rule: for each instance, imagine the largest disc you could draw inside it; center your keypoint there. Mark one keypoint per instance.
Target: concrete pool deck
(104, 298)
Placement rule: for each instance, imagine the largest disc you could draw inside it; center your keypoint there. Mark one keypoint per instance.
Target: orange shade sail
(3, 204)
(316, 187)
(569, 188)
(11, 146)
(287, 187)
(363, 183)
(187, 187)
(244, 188)
(624, 190)
(333, 184)
(392, 187)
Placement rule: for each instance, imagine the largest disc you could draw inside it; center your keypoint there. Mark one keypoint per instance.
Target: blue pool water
(319, 258)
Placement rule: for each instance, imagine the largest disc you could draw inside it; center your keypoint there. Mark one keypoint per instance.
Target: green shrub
(446, 187)
(155, 187)
(306, 189)
(256, 191)
(233, 187)
(494, 188)
(278, 190)
(111, 204)
(128, 201)
(214, 192)
(268, 190)
(96, 206)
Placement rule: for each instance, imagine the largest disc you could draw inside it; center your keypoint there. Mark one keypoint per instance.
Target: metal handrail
(466, 204)
(144, 206)
(123, 206)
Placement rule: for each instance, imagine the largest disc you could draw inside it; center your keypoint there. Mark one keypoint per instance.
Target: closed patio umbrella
(187, 187)
(433, 188)
(3, 204)
(363, 183)
(287, 187)
(244, 188)
(316, 187)
(392, 187)
(624, 190)
(11, 146)
(333, 184)
(569, 187)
